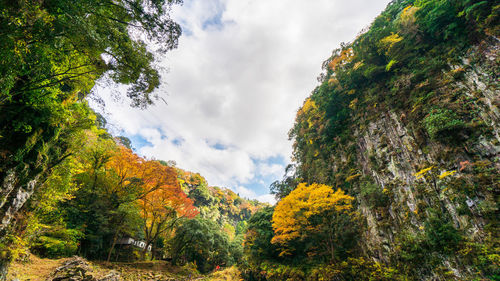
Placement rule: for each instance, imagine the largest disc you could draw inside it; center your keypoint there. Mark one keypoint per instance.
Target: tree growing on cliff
(312, 212)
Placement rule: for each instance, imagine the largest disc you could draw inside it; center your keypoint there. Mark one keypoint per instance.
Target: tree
(258, 237)
(52, 53)
(311, 212)
(105, 204)
(163, 203)
(154, 188)
(201, 241)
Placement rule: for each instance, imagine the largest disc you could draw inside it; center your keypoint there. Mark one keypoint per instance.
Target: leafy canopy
(293, 214)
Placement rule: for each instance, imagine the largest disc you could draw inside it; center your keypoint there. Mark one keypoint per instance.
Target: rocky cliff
(407, 120)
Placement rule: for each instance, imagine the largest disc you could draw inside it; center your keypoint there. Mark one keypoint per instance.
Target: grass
(227, 274)
(36, 269)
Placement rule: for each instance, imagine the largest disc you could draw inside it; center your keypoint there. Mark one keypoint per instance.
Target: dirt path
(36, 269)
(39, 269)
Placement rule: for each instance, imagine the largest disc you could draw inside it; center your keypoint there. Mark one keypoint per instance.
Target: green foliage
(201, 241)
(236, 249)
(398, 63)
(410, 248)
(272, 271)
(57, 243)
(441, 235)
(444, 125)
(426, 247)
(97, 206)
(355, 269)
(260, 231)
(52, 54)
(281, 188)
(407, 66)
(374, 195)
(201, 196)
(484, 256)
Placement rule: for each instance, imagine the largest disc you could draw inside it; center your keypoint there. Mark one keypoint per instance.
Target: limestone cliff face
(390, 151)
(14, 196)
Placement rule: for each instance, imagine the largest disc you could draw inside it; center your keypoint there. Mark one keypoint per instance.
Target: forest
(395, 170)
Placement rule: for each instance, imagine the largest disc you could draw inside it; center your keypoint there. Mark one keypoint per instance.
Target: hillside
(105, 195)
(405, 126)
(216, 203)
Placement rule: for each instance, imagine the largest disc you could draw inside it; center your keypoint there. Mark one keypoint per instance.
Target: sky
(234, 84)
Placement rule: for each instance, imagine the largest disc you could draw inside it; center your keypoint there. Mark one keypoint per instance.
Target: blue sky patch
(138, 141)
(219, 146)
(177, 142)
(215, 21)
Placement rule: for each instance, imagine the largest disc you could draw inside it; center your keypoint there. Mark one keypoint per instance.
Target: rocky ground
(79, 269)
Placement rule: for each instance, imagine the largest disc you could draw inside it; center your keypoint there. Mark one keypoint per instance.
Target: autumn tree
(163, 203)
(128, 186)
(314, 212)
(153, 187)
(104, 206)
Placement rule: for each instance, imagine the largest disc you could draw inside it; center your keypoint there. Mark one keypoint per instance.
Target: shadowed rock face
(78, 269)
(14, 196)
(389, 151)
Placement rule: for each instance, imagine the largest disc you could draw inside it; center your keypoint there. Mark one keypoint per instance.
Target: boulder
(78, 269)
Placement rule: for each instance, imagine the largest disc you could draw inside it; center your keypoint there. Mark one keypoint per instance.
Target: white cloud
(248, 193)
(241, 71)
(245, 192)
(274, 170)
(268, 198)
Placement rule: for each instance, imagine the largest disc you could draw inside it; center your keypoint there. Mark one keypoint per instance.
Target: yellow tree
(313, 211)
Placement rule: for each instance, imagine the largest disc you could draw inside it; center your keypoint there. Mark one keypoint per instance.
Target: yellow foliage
(445, 174)
(311, 118)
(227, 274)
(333, 81)
(350, 178)
(408, 15)
(309, 105)
(420, 174)
(291, 215)
(388, 42)
(358, 65)
(344, 57)
(353, 103)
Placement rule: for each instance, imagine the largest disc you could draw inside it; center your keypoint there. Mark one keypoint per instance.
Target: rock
(112, 276)
(78, 269)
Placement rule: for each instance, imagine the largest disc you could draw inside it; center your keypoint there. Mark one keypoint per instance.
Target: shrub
(57, 243)
(444, 125)
(441, 235)
(374, 195)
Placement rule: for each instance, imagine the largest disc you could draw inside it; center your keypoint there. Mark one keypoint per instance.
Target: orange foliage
(164, 202)
(344, 57)
(159, 194)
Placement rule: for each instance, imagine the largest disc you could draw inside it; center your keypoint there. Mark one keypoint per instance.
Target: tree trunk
(145, 251)
(4, 266)
(115, 238)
